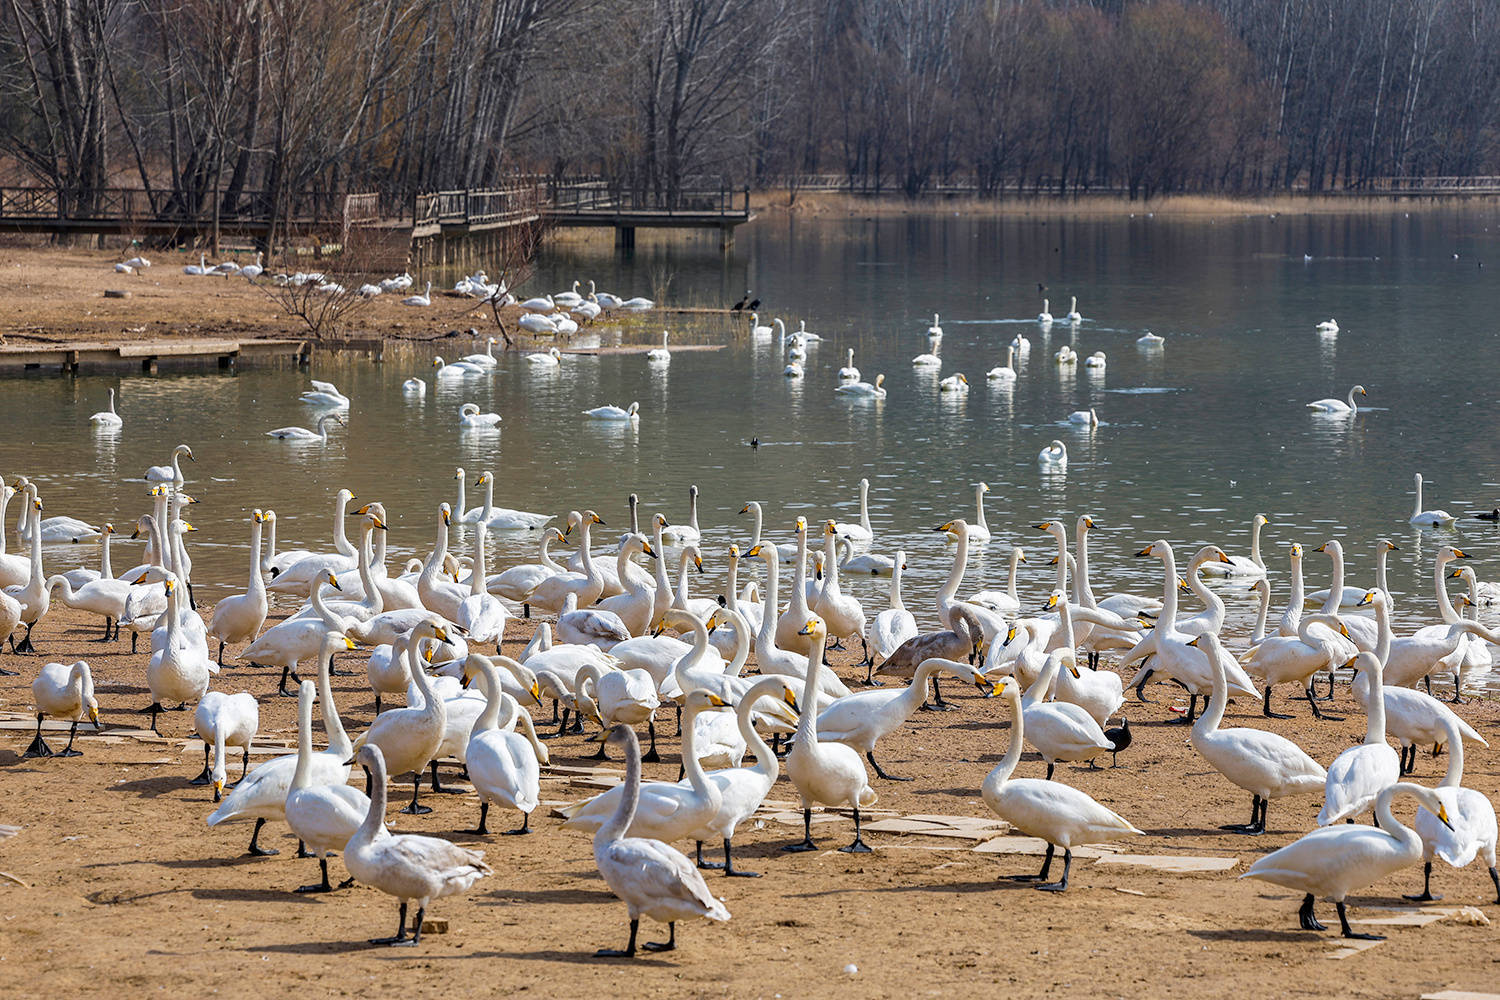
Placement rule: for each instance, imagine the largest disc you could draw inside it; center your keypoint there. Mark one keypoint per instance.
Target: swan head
(1159, 548)
(1372, 598)
(437, 362)
(1085, 522)
(446, 513)
(814, 626)
(465, 410)
(1360, 390)
(958, 526)
(879, 381)
(1332, 547)
(755, 550)
(830, 528)
(1388, 545)
(635, 408)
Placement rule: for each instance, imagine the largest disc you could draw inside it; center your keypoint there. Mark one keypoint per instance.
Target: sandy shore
(115, 878)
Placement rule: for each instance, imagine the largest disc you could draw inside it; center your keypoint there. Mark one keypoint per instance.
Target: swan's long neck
(1455, 773)
(301, 778)
(1293, 614)
(766, 764)
(798, 603)
(373, 827)
(1168, 619)
(766, 638)
(1037, 693)
(1255, 544)
(462, 495)
(663, 582)
(430, 705)
(478, 574)
(434, 563)
(1417, 504)
(373, 598)
(1352, 404)
(330, 619)
(1261, 616)
(340, 537)
(1081, 585)
(1375, 710)
(1062, 558)
(1336, 587)
(1445, 604)
(755, 516)
(830, 565)
(1380, 558)
(546, 557)
(622, 569)
(1210, 600)
(864, 506)
(996, 779)
(1390, 825)
(956, 572)
(693, 510)
(1383, 634)
(897, 604)
(270, 545)
(1015, 565)
(680, 598)
(1213, 715)
(5, 492)
(979, 508)
(489, 497)
(257, 584)
(692, 657)
(807, 726)
(692, 767)
(614, 828)
(333, 727)
(106, 571)
(736, 664)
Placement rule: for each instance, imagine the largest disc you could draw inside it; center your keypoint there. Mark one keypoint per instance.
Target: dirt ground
(115, 878)
(50, 295)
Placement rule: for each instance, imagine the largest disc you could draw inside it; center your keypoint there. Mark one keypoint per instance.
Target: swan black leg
(68, 750)
(670, 944)
(281, 687)
(1257, 824)
(484, 815)
(1140, 689)
(807, 841)
(698, 857)
(414, 808)
(256, 850)
(400, 937)
(1305, 916)
(733, 872)
(377, 703)
(1426, 894)
(870, 680)
(154, 709)
(324, 886)
(858, 846)
(521, 830)
(1061, 886)
(221, 654)
(629, 952)
(26, 646)
(1186, 719)
(133, 637)
(206, 775)
(1046, 868)
(107, 631)
(437, 786)
(244, 762)
(1495, 878)
(39, 747)
(880, 771)
(1265, 707)
(1051, 765)
(650, 756)
(1344, 926)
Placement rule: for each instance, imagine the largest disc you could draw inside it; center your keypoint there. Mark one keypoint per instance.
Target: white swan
(958, 384)
(927, 360)
(177, 671)
(518, 581)
(407, 865)
(457, 369)
(1358, 775)
(1328, 326)
(678, 535)
(652, 878)
(1044, 317)
(1428, 518)
(1149, 339)
(63, 691)
(323, 815)
(469, 418)
(550, 358)
(1333, 861)
(842, 613)
(1060, 815)
(875, 390)
(1061, 730)
(1074, 316)
(425, 299)
(481, 615)
(172, 471)
(221, 721)
(1250, 566)
(614, 413)
(1470, 830)
(1005, 372)
(415, 387)
(1021, 344)
(1095, 361)
(540, 303)
(860, 532)
(325, 394)
(1267, 765)
(829, 774)
(849, 373)
(199, 269)
(303, 434)
(410, 736)
(1088, 417)
(637, 304)
(660, 355)
(1331, 405)
(1054, 456)
(108, 418)
(568, 299)
(550, 593)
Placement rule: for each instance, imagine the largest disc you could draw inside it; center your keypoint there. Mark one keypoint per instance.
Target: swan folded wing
(455, 868)
(331, 817)
(1071, 815)
(256, 795)
(657, 881)
(1279, 755)
(1328, 861)
(1459, 843)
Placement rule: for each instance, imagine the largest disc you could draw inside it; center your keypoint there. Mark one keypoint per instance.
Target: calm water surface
(1195, 438)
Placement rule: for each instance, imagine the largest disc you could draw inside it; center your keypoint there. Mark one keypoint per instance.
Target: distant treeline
(272, 99)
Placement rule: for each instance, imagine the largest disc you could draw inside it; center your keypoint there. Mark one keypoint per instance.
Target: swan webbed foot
(801, 846)
(1344, 927)
(1305, 916)
(206, 775)
(255, 850)
(858, 847)
(670, 944)
(1062, 884)
(302, 851)
(1265, 706)
(629, 949)
(730, 871)
(323, 886)
(698, 858)
(484, 815)
(880, 771)
(414, 808)
(1426, 896)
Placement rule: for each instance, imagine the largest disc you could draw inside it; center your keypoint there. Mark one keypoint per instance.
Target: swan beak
(1443, 815)
(440, 633)
(333, 582)
(447, 519)
(136, 533)
(946, 526)
(1322, 548)
(1073, 669)
(717, 702)
(1010, 636)
(94, 716)
(1343, 631)
(1457, 553)
(713, 622)
(745, 509)
(1144, 552)
(1051, 603)
(536, 692)
(1225, 559)
(188, 527)
(754, 551)
(379, 525)
(698, 562)
(790, 698)
(427, 654)
(140, 579)
(810, 628)
(363, 510)
(1392, 546)
(169, 586)
(1197, 642)
(1367, 599)
(1351, 661)
(596, 519)
(660, 626)
(348, 642)
(218, 789)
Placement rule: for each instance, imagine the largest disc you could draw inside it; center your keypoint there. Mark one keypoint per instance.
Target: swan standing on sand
(1331, 405)
(323, 815)
(652, 878)
(410, 735)
(502, 764)
(893, 626)
(1428, 518)
(225, 720)
(67, 692)
(1470, 830)
(303, 434)
(1267, 765)
(406, 865)
(830, 774)
(108, 419)
(1358, 775)
(1333, 861)
(1059, 814)
(425, 299)
(240, 617)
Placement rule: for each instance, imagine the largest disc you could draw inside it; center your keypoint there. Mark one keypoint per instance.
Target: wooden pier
(150, 356)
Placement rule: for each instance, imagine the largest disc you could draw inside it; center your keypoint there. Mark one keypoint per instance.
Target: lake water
(1195, 438)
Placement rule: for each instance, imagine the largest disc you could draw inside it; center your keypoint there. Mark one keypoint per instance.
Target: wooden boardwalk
(143, 355)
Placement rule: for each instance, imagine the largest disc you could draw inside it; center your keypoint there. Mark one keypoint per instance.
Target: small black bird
(740, 305)
(755, 442)
(1493, 515)
(1119, 739)
(754, 304)
(1041, 287)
